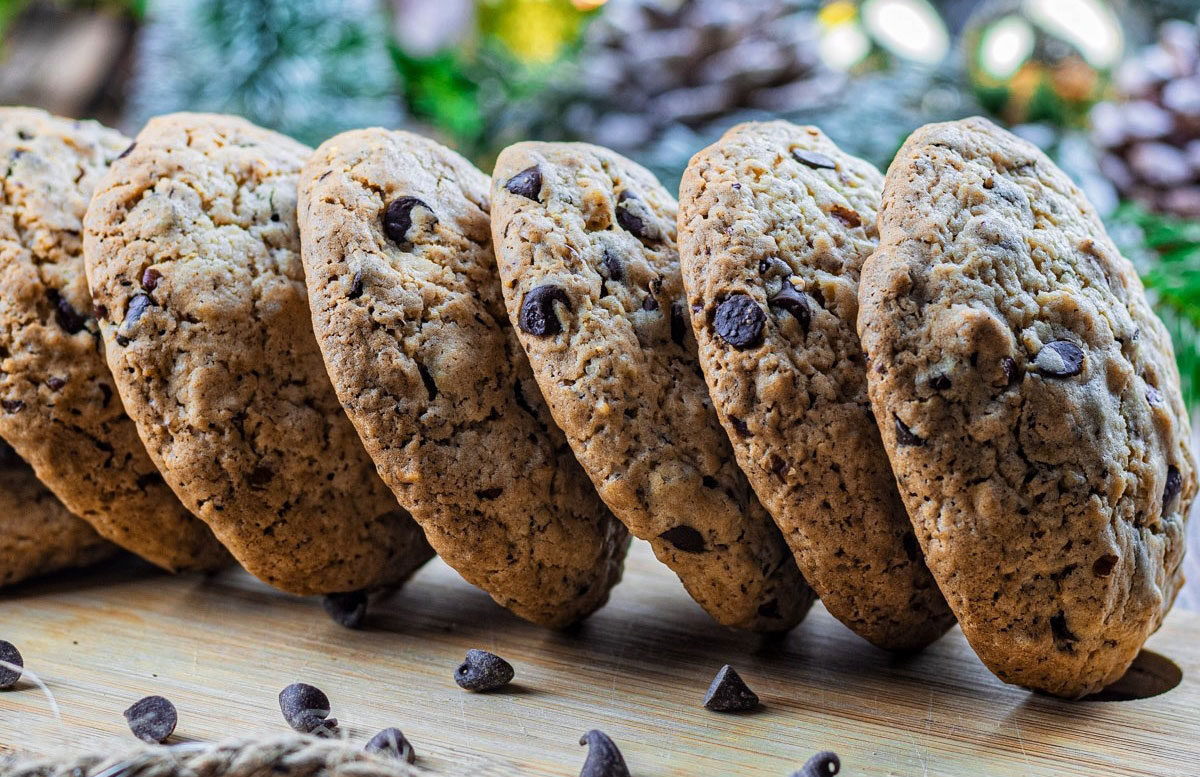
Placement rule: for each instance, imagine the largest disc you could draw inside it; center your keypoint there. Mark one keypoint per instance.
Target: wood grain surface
(222, 647)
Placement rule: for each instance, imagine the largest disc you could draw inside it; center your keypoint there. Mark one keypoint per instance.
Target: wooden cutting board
(221, 648)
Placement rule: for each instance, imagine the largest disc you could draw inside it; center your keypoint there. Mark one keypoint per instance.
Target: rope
(282, 756)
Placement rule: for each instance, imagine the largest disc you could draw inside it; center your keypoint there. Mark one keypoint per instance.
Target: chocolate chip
(489, 493)
(12, 405)
(631, 222)
(397, 218)
(56, 383)
(347, 609)
(150, 279)
(904, 435)
(795, 302)
(99, 312)
(684, 538)
(1059, 359)
(1064, 639)
(823, 764)
(603, 758)
(483, 671)
(1012, 373)
(431, 389)
(814, 159)
(740, 426)
(356, 286)
(527, 183)
(941, 382)
(1153, 395)
(849, 218)
(613, 266)
(1103, 566)
(152, 719)
(137, 308)
(391, 741)
(128, 150)
(68, 318)
(11, 664)
(650, 302)
(729, 692)
(306, 709)
(1174, 486)
(739, 321)
(678, 324)
(538, 316)
(779, 466)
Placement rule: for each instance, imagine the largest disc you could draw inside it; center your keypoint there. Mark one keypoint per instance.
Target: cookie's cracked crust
(1036, 484)
(419, 347)
(772, 204)
(193, 256)
(621, 377)
(58, 407)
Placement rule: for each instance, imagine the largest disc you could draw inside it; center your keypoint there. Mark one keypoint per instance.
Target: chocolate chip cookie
(407, 309)
(774, 224)
(1029, 401)
(585, 242)
(193, 255)
(58, 408)
(37, 534)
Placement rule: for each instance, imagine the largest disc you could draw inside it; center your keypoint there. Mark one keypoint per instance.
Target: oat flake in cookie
(407, 309)
(58, 407)
(774, 224)
(1029, 401)
(194, 260)
(585, 241)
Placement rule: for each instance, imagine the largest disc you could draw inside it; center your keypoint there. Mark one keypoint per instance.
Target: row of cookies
(203, 284)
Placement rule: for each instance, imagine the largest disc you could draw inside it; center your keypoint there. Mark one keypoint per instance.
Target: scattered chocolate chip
(538, 316)
(823, 764)
(613, 266)
(527, 183)
(779, 466)
(348, 609)
(483, 671)
(849, 218)
(68, 318)
(11, 663)
(1012, 373)
(729, 692)
(739, 321)
(795, 302)
(684, 538)
(152, 719)
(1064, 639)
(489, 493)
(397, 218)
(678, 324)
(650, 302)
(127, 151)
(56, 383)
(740, 426)
(431, 389)
(137, 308)
(391, 741)
(150, 279)
(814, 159)
(1059, 359)
(306, 709)
(1103, 566)
(904, 435)
(1153, 395)
(631, 222)
(603, 758)
(356, 286)
(12, 405)
(1173, 487)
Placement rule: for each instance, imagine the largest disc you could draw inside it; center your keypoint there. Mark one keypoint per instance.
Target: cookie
(585, 242)
(407, 309)
(193, 255)
(37, 534)
(774, 224)
(1029, 401)
(58, 408)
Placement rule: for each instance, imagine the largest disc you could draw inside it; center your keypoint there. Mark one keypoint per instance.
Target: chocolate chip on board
(11, 663)
(306, 709)
(603, 758)
(483, 671)
(538, 316)
(823, 764)
(527, 183)
(739, 321)
(1059, 359)
(152, 719)
(348, 609)
(391, 741)
(729, 692)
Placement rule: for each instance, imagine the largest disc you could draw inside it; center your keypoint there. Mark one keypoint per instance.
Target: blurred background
(1110, 88)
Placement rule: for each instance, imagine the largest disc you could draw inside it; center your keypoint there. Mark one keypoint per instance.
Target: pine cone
(1150, 136)
(648, 66)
